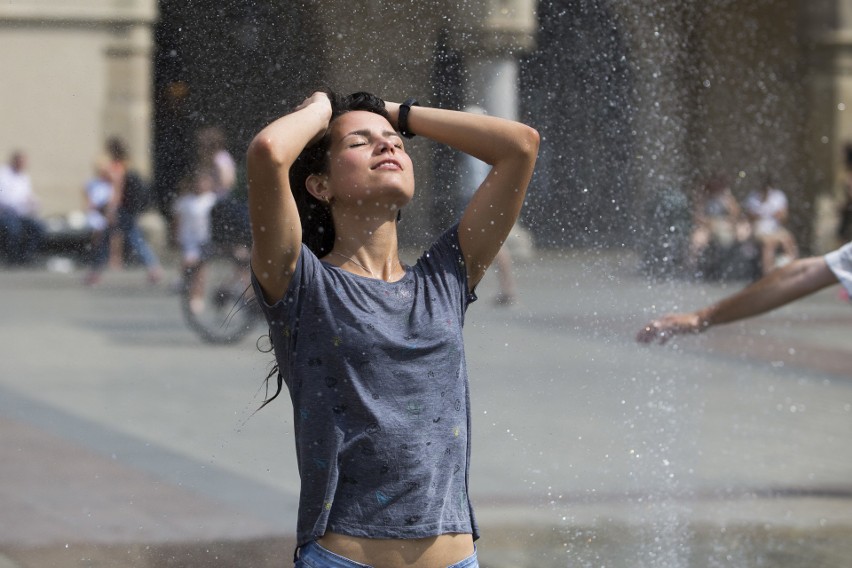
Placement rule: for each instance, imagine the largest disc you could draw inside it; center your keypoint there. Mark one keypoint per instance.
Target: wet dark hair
(317, 224)
(315, 216)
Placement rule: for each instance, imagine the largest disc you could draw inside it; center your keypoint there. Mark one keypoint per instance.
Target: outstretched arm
(275, 225)
(510, 148)
(782, 286)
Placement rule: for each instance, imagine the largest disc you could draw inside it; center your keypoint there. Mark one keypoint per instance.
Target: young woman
(371, 349)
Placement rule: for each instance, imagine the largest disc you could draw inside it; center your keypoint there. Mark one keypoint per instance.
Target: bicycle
(217, 299)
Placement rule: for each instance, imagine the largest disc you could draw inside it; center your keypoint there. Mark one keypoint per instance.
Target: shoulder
(445, 247)
(444, 264)
(307, 273)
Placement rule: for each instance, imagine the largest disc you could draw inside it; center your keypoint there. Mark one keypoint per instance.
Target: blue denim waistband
(312, 555)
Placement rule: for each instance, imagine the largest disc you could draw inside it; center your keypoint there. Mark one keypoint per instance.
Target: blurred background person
(767, 210)
(21, 232)
(97, 194)
(474, 172)
(129, 199)
(214, 158)
(719, 231)
(215, 163)
(192, 218)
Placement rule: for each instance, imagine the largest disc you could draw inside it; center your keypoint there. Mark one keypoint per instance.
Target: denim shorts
(312, 555)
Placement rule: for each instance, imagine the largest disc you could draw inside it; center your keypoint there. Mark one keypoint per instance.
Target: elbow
(262, 150)
(529, 141)
(259, 148)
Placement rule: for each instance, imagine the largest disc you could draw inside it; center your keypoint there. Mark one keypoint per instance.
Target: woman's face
(368, 165)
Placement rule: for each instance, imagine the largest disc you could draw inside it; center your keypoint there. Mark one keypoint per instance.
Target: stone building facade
(74, 73)
(633, 98)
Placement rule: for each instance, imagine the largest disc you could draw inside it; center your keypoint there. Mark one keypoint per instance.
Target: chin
(400, 197)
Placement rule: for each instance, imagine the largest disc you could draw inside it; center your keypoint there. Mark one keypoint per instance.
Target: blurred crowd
(712, 234)
(752, 234)
(114, 197)
(727, 238)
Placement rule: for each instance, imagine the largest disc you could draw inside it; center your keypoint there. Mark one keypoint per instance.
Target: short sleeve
(303, 275)
(840, 262)
(445, 261)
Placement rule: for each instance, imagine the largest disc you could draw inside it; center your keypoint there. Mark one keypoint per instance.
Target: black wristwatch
(402, 118)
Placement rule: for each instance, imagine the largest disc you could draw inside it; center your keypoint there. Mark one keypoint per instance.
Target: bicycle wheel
(217, 301)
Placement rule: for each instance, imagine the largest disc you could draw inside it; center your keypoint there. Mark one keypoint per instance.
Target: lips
(388, 164)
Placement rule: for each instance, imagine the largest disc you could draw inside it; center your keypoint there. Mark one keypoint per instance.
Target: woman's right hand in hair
(276, 227)
(317, 97)
(323, 105)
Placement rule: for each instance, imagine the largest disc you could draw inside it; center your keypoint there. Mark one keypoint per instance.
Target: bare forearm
(281, 142)
(780, 287)
(796, 280)
(486, 138)
(276, 227)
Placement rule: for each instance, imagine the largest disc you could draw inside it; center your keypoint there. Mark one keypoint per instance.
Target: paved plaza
(126, 441)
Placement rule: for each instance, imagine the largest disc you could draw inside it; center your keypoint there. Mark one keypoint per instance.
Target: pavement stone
(125, 441)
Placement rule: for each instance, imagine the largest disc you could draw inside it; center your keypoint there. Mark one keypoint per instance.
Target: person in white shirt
(21, 232)
(213, 156)
(767, 210)
(97, 195)
(192, 214)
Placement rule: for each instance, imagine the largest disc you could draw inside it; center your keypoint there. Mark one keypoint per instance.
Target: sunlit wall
(73, 73)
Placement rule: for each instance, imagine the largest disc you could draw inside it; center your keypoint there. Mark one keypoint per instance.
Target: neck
(371, 247)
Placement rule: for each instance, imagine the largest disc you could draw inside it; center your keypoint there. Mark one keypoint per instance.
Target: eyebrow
(368, 133)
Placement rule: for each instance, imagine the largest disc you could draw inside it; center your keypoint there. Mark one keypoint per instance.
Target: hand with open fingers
(662, 329)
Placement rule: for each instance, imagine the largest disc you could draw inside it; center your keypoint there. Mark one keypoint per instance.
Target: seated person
(717, 221)
(22, 232)
(767, 211)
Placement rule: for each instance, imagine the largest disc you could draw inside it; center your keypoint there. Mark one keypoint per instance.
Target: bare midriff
(433, 552)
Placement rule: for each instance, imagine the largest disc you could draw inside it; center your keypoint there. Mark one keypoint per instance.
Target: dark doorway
(236, 64)
(576, 89)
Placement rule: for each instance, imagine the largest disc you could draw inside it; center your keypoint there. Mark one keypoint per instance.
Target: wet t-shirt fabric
(377, 375)
(840, 262)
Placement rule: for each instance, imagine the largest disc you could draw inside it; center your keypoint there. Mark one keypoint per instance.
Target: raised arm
(782, 286)
(275, 225)
(510, 148)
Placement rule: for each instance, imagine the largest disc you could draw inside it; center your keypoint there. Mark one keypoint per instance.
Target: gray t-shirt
(840, 262)
(377, 376)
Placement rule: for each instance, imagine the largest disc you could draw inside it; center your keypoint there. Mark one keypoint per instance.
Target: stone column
(830, 123)
(497, 32)
(127, 109)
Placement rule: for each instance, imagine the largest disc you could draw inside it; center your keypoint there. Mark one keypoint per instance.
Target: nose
(385, 144)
